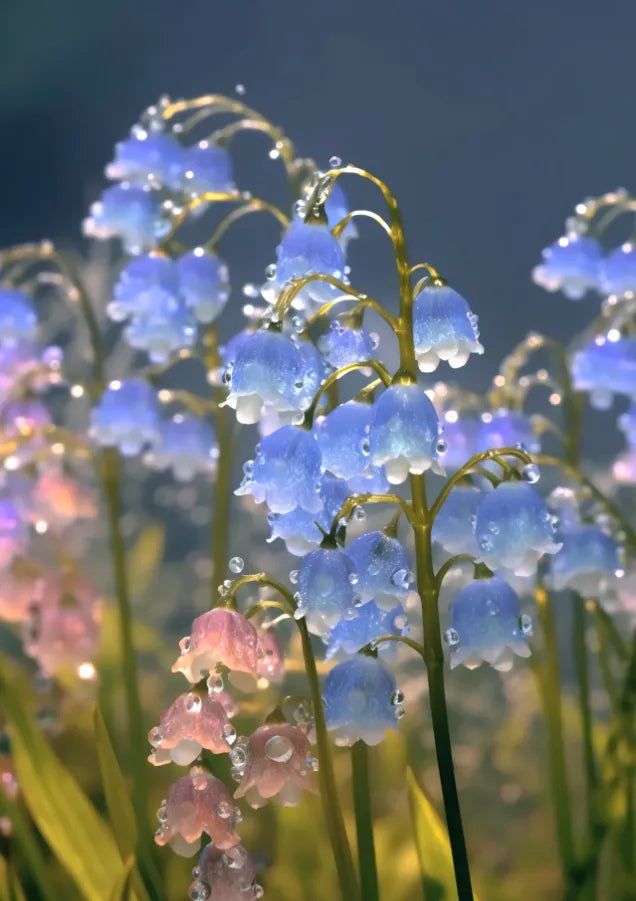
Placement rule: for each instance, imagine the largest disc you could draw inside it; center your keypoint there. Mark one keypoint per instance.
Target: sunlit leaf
(122, 889)
(145, 558)
(66, 818)
(117, 793)
(433, 846)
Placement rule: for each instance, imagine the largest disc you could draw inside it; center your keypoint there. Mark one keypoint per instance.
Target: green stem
(364, 822)
(434, 656)
(220, 524)
(549, 681)
(326, 778)
(110, 470)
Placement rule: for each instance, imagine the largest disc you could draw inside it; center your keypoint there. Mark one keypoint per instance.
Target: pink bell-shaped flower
(61, 500)
(191, 723)
(63, 626)
(224, 876)
(271, 666)
(197, 803)
(275, 762)
(220, 637)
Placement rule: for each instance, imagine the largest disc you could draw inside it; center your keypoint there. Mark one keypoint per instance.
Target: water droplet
(441, 446)
(225, 809)
(399, 711)
(156, 737)
(229, 733)
(531, 473)
(293, 576)
(236, 565)
(274, 153)
(365, 447)
(184, 644)
(250, 290)
(240, 89)
(199, 891)
(451, 637)
(235, 858)
(257, 891)
(525, 624)
(373, 569)
(215, 683)
(238, 757)
(358, 513)
(279, 749)
(397, 697)
(162, 814)
(335, 162)
(353, 578)
(270, 272)
(193, 703)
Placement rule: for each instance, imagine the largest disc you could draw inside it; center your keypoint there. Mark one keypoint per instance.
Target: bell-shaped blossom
(268, 370)
(588, 562)
(229, 350)
(486, 624)
(361, 701)
(275, 762)
(300, 529)
(60, 500)
(63, 626)
(373, 481)
(460, 437)
(507, 428)
(13, 532)
(405, 433)
(168, 328)
(147, 157)
(271, 663)
(204, 284)
(224, 876)
(206, 168)
(307, 249)
(143, 283)
(314, 371)
(350, 635)
(18, 320)
(130, 212)
(382, 569)
(220, 637)
(444, 328)
(186, 445)
(127, 416)
(191, 723)
(570, 265)
(343, 438)
(343, 346)
(454, 526)
(326, 593)
(605, 368)
(514, 528)
(286, 472)
(197, 803)
(618, 271)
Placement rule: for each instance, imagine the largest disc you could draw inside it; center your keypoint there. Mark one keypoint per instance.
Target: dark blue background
(490, 118)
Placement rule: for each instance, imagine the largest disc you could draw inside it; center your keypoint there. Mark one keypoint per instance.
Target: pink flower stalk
(60, 500)
(191, 723)
(197, 803)
(63, 627)
(225, 876)
(220, 637)
(271, 666)
(276, 763)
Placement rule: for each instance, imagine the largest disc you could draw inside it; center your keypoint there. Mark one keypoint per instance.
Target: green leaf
(116, 791)
(122, 889)
(433, 846)
(67, 820)
(145, 558)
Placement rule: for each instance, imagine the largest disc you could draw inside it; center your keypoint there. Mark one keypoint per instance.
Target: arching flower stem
(252, 206)
(375, 365)
(364, 822)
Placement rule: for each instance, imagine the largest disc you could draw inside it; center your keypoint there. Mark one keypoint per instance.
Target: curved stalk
(364, 822)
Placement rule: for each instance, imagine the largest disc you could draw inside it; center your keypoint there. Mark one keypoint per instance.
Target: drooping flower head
(299, 529)
(326, 593)
(197, 803)
(203, 283)
(220, 637)
(617, 273)
(350, 635)
(61, 500)
(507, 428)
(343, 346)
(18, 320)
(206, 168)
(147, 157)
(127, 416)
(191, 723)
(307, 249)
(514, 528)
(286, 472)
(186, 445)
(454, 526)
(343, 438)
(405, 432)
(142, 284)
(487, 625)
(129, 212)
(168, 329)
(444, 328)
(570, 265)
(382, 569)
(604, 368)
(275, 762)
(361, 701)
(589, 561)
(224, 876)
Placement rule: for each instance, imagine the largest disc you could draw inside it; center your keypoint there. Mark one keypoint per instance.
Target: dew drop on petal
(451, 637)
(531, 473)
(335, 162)
(193, 703)
(525, 624)
(279, 749)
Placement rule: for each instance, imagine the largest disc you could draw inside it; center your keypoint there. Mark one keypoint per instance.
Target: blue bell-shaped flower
(206, 168)
(126, 416)
(286, 472)
(299, 529)
(382, 568)
(514, 528)
(129, 212)
(343, 346)
(444, 328)
(589, 561)
(486, 624)
(147, 157)
(618, 271)
(507, 428)
(203, 283)
(343, 438)
(350, 635)
(570, 265)
(605, 368)
(361, 701)
(164, 329)
(18, 320)
(454, 526)
(186, 445)
(405, 433)
(325, 589)
(140, 283)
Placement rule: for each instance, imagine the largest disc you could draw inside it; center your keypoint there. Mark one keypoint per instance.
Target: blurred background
(489, 120)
